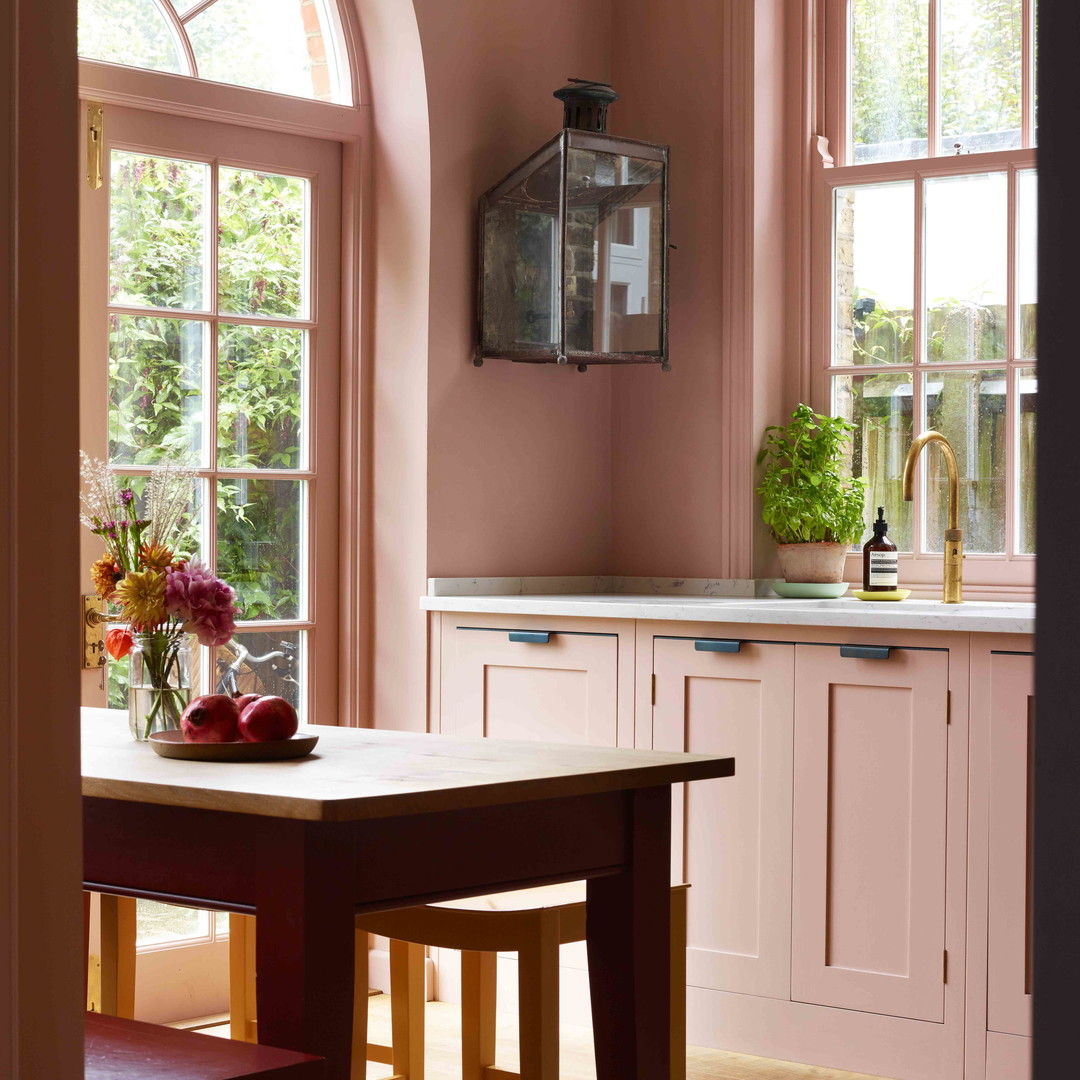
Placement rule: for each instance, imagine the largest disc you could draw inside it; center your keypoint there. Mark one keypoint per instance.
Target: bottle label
(883, 568)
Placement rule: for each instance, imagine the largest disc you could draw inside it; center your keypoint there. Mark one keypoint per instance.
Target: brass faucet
(952, 578)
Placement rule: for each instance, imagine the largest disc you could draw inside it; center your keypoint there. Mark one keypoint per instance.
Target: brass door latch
(94, 620)
(95, 148)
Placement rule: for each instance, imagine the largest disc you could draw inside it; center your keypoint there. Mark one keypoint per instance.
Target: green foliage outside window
(980, 75)
(158, 364)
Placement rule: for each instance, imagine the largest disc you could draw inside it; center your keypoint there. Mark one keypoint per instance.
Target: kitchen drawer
(526, 682)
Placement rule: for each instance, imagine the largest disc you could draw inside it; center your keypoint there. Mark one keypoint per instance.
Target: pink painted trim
(949, 165)
(158, 91)
(1027, 91)
(736, 291)
(354, 648)
(933, 90)
(42, 984)
(1012, 384)
(179, 33)
(918, 398)
(197, 9)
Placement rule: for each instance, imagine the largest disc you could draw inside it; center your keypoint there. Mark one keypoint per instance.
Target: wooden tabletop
(358, 773)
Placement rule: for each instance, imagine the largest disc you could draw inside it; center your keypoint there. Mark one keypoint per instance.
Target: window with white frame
(926, 290)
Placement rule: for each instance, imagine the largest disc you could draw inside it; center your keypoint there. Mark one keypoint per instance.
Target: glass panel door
(209, 310)
(210, 296)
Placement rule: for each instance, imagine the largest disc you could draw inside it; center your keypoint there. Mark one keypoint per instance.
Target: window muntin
(194, 239)
(932, 266)
(284, 46)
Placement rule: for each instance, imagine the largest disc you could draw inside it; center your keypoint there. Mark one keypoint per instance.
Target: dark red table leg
(628, 917)
(304, 941)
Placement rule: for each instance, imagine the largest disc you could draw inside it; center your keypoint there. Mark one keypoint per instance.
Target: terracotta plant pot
(822, 562)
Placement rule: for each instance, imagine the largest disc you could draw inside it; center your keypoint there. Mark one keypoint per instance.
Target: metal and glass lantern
(573, 247)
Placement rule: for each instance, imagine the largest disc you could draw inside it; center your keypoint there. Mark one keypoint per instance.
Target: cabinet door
(871, 748)
(1012, 719)
(736, 832)
(546, 687)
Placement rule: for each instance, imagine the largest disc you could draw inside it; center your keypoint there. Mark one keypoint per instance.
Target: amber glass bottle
(879, 558)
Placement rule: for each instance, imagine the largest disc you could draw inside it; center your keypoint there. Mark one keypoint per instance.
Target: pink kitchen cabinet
(999, 859)
(736, 833)
(878, 816)
(869, 829)
(544, 681)
(1012, 740)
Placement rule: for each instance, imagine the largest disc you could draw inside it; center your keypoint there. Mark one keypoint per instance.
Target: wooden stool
(533, 923)
(117, 931)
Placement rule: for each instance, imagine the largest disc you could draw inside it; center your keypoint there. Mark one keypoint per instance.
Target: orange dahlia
(143, 598)
(105, 574)
(155, 556)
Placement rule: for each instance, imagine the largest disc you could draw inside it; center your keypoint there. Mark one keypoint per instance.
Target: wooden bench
(119, 1049)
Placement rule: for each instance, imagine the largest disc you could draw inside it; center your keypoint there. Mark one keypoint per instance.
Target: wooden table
(381, 819)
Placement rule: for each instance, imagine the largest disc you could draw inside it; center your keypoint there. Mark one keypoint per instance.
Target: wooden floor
(443, 1062)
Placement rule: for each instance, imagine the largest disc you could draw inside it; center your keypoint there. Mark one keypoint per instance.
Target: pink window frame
(185, 96)
(824, 55)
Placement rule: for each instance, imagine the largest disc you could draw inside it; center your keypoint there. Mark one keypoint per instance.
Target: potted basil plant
(812, 508)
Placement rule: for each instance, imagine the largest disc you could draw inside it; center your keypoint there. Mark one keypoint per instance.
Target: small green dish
(810, 590)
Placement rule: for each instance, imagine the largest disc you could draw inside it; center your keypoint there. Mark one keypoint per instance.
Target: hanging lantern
(573, 247)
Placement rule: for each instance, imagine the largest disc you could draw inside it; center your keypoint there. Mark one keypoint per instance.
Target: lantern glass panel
(521, 279)
(613, 286)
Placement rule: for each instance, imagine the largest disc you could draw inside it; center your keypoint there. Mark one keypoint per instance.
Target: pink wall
(518, 455)
(395, 272)
(501, 469)
(706, 79)
(520, 469)
(667, 476)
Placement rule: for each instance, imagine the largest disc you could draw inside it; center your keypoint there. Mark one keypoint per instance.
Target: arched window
(218, 324)
(290, 47)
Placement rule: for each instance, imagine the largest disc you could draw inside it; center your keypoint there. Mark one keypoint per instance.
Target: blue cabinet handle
(865, 652)
(716, 645)
(530, 637)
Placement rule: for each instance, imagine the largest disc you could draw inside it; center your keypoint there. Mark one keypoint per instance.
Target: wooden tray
(171, 744)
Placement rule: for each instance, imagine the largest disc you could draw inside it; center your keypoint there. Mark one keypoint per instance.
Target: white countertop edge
(602, 584)
(972, 617)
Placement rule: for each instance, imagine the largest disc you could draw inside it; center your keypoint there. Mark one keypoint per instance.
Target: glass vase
(159, 681)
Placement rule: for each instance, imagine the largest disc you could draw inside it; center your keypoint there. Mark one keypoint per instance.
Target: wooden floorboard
(443, 1061)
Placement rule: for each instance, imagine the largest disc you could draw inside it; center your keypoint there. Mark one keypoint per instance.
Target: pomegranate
(209, 719)
(268, 719)
(244, 700)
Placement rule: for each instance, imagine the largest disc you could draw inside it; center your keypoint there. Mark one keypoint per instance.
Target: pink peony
(204, 603)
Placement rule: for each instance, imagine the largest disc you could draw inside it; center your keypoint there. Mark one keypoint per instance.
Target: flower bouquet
(163, 596)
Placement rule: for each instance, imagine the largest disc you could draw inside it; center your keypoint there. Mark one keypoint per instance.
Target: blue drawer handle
(865, 652)
(530, 637)
(716, 645)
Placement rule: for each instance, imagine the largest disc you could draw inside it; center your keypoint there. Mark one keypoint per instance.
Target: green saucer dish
(810, 590)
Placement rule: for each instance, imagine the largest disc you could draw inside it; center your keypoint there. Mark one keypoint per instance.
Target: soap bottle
(879, 559)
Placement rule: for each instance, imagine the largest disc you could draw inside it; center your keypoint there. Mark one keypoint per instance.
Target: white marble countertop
(971, 616)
